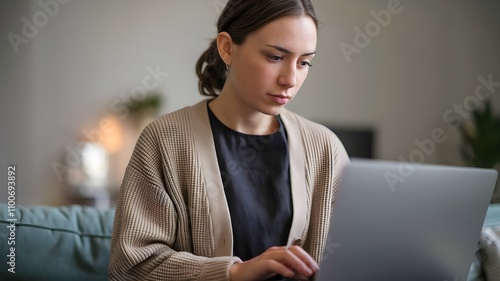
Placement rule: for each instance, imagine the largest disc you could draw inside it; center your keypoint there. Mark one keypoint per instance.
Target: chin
(272, 110)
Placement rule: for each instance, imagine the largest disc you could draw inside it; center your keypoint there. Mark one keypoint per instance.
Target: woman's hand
(293, 262)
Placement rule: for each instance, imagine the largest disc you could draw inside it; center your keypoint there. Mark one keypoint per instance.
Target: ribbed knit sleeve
(154, 235)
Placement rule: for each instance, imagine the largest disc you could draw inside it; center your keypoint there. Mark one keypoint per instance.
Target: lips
(280, 99)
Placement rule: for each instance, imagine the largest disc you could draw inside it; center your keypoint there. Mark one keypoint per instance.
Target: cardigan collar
(218, 208)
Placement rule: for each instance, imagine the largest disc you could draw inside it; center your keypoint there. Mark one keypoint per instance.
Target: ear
(224, 46)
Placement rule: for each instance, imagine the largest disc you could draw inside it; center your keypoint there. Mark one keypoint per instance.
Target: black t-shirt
(255, 174)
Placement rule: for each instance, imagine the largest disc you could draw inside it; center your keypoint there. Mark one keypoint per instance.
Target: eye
(305, 64)
(274, 58)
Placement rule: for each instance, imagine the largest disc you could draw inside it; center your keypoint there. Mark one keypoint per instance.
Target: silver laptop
(399, 221)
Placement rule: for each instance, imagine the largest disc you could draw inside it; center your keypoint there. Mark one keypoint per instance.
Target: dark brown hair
(240, 18)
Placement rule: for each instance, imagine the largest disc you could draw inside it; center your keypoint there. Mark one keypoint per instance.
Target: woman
(221, 189)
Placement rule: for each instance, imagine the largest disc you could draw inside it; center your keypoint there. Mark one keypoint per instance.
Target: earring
(228, 66)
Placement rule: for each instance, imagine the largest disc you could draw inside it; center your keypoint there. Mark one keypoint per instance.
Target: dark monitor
(358, 142)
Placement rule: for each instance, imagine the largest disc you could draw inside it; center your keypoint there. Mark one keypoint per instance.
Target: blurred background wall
(68, 67)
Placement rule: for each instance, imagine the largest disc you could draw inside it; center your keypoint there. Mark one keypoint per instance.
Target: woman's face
(268, 69)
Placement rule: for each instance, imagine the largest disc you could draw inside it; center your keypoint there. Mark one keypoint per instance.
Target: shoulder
(168, 135)
(316, 138)
(171, 132)
(176, 123)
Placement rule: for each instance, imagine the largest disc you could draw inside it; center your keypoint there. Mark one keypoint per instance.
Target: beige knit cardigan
(172, 221)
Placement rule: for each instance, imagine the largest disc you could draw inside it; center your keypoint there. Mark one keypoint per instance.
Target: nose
(288, 76)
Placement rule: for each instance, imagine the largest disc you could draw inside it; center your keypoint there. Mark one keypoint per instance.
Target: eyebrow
(289, 52)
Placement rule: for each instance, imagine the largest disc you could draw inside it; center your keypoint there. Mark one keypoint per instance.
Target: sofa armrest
(56, 243)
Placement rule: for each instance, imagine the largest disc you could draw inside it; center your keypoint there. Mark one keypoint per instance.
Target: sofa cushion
(56, 243)
(477, 269)
(490, 244)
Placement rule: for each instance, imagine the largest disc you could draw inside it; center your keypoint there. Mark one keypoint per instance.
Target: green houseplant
(151, 103)
(481, 139)
(144, 110)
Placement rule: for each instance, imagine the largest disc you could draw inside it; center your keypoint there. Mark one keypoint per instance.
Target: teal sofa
(56, 243)
(72, 243)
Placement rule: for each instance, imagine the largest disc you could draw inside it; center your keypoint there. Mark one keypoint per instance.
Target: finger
(279, 268)
(305, 258)
(289, 258)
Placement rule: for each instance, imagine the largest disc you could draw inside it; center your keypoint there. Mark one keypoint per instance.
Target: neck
(241, 118)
